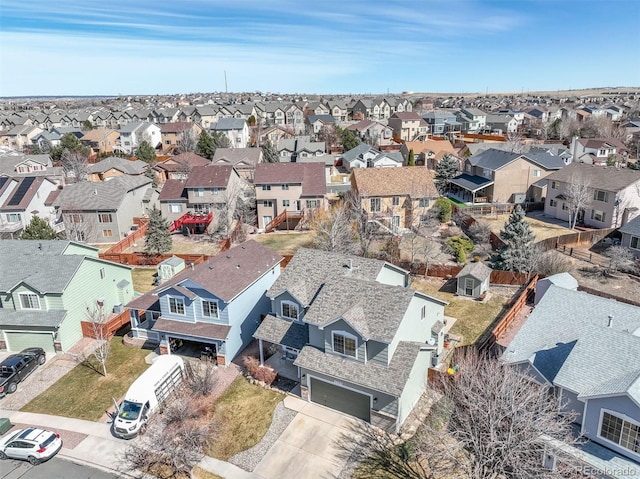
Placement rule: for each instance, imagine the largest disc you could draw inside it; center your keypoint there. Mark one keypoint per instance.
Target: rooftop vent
(610, 321)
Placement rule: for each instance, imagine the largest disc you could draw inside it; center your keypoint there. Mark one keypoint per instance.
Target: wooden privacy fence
(508, 315)
(602, 294)
(106, 329)
(579, 238)
(450, 271)
(143, 259)
(131, 238)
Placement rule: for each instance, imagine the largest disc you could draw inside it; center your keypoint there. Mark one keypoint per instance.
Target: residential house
(428, 152)
(244, 160)
(473, 120)
(49, 287)
(501, 123)
(373, 133)
(590, 361)
(298, 188)
(173, 200)
(115, 166)
(178, 166)
(395, 198)
(354, 334)
(316, 108)
(173, 134)
(274, 134)
(374, 109)
(31, 164)
(496, 176)
(315, 123)
(211, 186)
(407, 126)
(294, 118)
(631, 236)
(104, 212)
(134, 133)
(235, 129)
(364, 156)
(337, 110)
(204, 116)
(289, 149)
(20, 136)
(613, 198)
(216, 304)
(598, 151)
(442, 123)
(20, 200)
(100, 140)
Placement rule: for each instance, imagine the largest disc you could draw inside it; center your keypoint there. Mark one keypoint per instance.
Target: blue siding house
(587, 350)
(217, 304)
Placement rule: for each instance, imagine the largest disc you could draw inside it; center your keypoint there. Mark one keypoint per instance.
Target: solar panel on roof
(3, 180)
(21, 191)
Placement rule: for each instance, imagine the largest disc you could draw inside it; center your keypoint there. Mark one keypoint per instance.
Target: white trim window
(600, 195)
(210, 309)
(635, 242)
(176, 305)
(289, 309)
(175, 208)
(344, 343)
(375, 205)
(29, 301)
(597, 215)
(622, 432)
(553, 203)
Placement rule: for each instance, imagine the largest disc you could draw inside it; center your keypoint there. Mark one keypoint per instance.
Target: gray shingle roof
(605, 178)
(10, 318)
(42, 272)
(632, 227)
(479, 271)
(226, 124)
(107, 195)
(284, 332)
(128, 167)
(390, 379)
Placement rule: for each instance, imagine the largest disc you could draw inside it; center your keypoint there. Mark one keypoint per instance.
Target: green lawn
(84, 393)
(285, 243)
(473, 317)
(242, 416)
(143, 279)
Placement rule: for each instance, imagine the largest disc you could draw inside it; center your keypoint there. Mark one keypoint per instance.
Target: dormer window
(176, 306)
(29, 301)
(344, 343)
(289, 310)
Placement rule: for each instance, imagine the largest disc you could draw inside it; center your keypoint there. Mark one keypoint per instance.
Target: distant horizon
(72, 48)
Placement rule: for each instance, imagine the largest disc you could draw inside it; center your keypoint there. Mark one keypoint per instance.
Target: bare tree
(620, 259)
(78, 226)
(579, 197)
(553, 262)
(515, 142)
(333, 230)
(480, 234)
(74, 165)
(225, 210)
(98, 320)
(362, 222)
(188, 142)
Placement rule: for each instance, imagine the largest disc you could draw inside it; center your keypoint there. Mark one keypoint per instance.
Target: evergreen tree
(348, 138)
(446, 169)
(38, 229)
(146, 153)
(205, 146)
(157, 238)
(411, 161)
(70, 144)
(220, 140)
(518, 253)
(270, 153)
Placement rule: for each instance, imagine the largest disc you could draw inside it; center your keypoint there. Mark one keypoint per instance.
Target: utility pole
(225, 82)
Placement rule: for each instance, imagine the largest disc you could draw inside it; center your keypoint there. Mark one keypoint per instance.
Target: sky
(142, 47)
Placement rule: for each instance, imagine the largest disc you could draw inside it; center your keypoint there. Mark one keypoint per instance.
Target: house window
(215, 191)
(600, 195)
(199, 192)
(105, 218)
(536, 173)
(201, 208)
(107, 233)
(29, 301)
(597, 215)
(488, 174)
(423, 312)
(554, 185)
(344, 343)
(565, 206)
(375, 205)
(312, 204)
(266, 187)
(285, 187)
(635, 242)
(102, 273)
(13, 217)
(176, 305)
(267, 203)
(289, 310)
(423, 203)
(175, 208)
(553, 203)
(621, 432)
(285, 202)
(396, 201)
(210, 309)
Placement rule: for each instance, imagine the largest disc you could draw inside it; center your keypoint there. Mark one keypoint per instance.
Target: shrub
(444, 210)
(460, 246)
(259, 373)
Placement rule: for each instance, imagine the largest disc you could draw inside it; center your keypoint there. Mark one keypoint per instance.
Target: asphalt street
(53, 469)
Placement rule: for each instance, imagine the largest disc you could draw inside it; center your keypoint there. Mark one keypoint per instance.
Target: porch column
(261, 352)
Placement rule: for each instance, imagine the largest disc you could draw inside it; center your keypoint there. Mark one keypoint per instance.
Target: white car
(33, 445)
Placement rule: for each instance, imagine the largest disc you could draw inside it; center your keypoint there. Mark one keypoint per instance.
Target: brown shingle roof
(310, 175)
(52, 197)
(601, 177)
(175, 127)
(209, 176)
(415, 181)
(437, 146)
(178, 162)
(599, 142)
(172, 190)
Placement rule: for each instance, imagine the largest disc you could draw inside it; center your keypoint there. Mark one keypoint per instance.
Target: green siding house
(48, 287)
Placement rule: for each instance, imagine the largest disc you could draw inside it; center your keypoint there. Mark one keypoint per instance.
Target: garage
(340, 399)
(22, 340)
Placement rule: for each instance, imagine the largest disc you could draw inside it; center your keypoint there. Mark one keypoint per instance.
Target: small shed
(473, 280)
(563, 280)
(169, 268)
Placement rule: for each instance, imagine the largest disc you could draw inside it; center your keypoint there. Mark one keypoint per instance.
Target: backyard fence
(108, 328)
(131, 238)
(143, 259)
(450, 271)
(579, 238)
(602, 294)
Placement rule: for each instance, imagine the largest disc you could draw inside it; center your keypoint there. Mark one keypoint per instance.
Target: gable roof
(233, 156)
(98, 134)
(124, 165)
(632, 227)
(107, 195)
(597, 143)
(310, 175)
(226, 124)
(358, 152)
(209, 176)
(173, 190)
(478, 270)
(414, 181)
(602, 177)
(32, 185)
(176, 127)
(179, 162)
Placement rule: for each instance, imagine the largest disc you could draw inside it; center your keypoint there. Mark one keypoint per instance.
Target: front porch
(284, 339)
(282, 362)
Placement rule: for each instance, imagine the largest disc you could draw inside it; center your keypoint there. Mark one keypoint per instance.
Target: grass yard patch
(84, 393)
(242, 416)
(285, 243)
(540, 229)
(473, 317)
(143, 279)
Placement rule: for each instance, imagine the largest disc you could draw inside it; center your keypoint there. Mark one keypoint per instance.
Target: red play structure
(193, 222)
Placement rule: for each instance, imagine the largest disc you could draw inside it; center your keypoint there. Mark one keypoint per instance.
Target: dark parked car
(15, 368)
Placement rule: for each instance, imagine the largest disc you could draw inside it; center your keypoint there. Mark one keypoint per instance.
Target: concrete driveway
(312, 446)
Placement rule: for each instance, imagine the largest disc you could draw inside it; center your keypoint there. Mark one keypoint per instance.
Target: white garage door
(19, 341)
